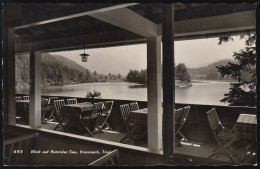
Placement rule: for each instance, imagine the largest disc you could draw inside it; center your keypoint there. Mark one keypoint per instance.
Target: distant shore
(182, 84)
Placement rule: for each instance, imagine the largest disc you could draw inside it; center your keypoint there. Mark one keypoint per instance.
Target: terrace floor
(192, 149)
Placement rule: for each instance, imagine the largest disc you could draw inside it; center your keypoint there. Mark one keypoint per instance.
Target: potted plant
(93, 95)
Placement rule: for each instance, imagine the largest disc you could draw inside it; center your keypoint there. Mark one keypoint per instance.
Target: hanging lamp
(84, 56)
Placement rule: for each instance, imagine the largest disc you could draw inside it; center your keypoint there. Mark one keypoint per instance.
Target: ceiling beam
(215, 24)
(76, 15)
(128, 20)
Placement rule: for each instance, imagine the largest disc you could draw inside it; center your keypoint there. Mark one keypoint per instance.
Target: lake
(201, 92)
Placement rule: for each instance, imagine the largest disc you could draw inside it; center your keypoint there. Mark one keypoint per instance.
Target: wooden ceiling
(71, 33)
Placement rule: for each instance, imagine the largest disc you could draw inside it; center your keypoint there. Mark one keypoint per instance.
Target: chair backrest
(44, 102)
(18, 149)
(125, 110)
(214, 122)
(17, 98)
(58, 104)
(134, 106)
(97, 109)
(185, 114)
(178, 115)
(51, 100)
(108, 106)
(72, 101)
(111, 158)
(26, 97)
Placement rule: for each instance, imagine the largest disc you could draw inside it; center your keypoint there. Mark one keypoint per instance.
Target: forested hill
(56, 70)
(209, 72)
(49, 59)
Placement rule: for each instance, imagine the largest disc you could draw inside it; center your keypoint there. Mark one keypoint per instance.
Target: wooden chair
(105, 115)
(181, 121)
(134, 106)
(26, 97)
(60, 116)
(108, 159)
(51, 108)
(130, 127)
(92, 118)
(17, 98)
(178, 115)
(44, 102)
(223, 136)
(72, 101)
(17, 150)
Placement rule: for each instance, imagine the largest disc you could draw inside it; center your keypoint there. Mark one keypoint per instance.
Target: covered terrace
(40, 28)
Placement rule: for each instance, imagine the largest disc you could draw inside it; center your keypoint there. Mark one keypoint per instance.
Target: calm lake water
(201, 92)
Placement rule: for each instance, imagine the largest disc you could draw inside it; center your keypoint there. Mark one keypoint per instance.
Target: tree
(243, 91)
(88, 76)
(182, 73)
(119, 76)
(95, 73)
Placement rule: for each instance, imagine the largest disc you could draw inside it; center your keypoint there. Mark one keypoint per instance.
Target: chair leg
(44, 121)
(109, 127)
(185, 138)
(223, 148)
(57, 126)
(129, 135)
(216, 149)
(86, 128)
(229, 156)
(178, 142)
(52, 116)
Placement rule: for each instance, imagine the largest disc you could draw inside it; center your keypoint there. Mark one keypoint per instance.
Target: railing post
(168, 80)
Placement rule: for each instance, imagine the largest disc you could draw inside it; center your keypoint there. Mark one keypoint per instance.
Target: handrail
(106, 158)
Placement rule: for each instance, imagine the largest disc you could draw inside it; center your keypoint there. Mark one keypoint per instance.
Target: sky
(115, 60)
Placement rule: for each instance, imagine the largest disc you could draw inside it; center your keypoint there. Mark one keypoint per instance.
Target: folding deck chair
(181, 121)
(26, 97)
(43, 109)
(102, 122)
(72, 101)
(51, 107)
(130, 127)
(223, 136)
(178, 115)
(17, 98)
(58, 104)
(134, 106)
(89, 117)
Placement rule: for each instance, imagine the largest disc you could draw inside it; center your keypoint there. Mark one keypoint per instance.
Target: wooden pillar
(168, 80)
(154, 90)
(35, 89)
(9, 76)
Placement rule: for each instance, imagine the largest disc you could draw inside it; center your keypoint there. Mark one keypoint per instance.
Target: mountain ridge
(210, 71)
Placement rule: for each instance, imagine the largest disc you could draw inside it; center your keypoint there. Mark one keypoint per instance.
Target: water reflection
(138, 86)
(201, 92)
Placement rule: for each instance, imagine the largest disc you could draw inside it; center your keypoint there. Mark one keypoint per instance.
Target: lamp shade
(84, 57)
